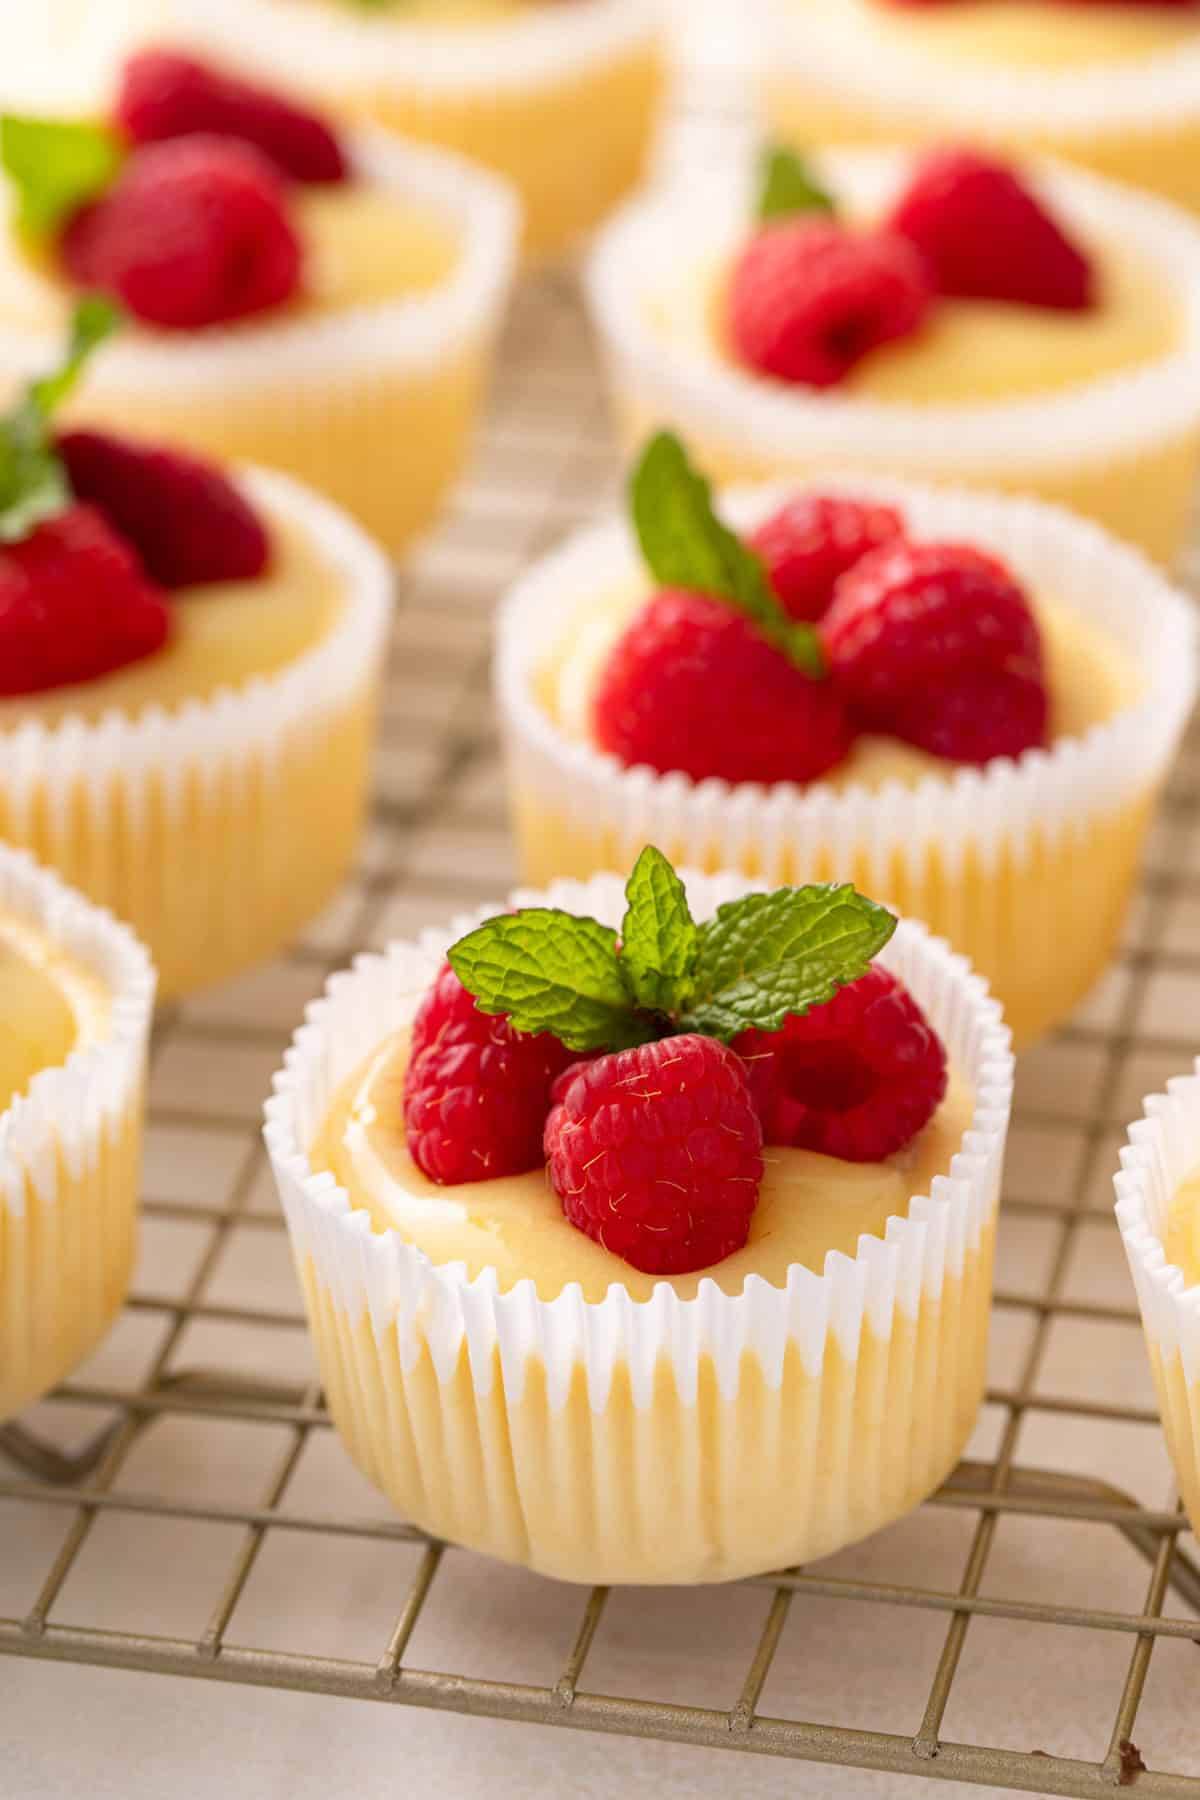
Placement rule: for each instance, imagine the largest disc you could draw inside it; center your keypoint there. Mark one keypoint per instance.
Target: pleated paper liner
(1123, 448)
(69, 1152)
(1026, 867)
(665, 1440)
(372, 405)
(217, 829)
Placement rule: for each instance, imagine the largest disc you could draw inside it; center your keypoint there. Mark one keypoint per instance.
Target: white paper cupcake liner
(1162, 1152)
(984, 855)
(216, 828)
(663, 1440)
(830, 49)
(770, 423)
(69, 1151)
(334, 48)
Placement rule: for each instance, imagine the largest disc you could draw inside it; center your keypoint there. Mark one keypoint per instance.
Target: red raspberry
(857, 1078)
(985, 236)
(691, 685)
(936, 643)
(164, 95)
(808, 300)
(813, 540)
(187, 521)
(75, 603)
(476, 1092)
(195, 232)
(656, 1153)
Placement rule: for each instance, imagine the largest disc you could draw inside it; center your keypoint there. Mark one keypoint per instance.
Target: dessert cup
(1162, 1152)
(1122, 447)
(1026, 867)
(70, 1144)
(561, 100)
(372, 405)
(827, 75)
(216, 827)
(665, 1440)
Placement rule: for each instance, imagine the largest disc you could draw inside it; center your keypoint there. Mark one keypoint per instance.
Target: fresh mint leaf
(658, 935)
(768, 955)
(33, 481)
(686, 546)
(553, 971)
(787, 186)
(95, 319)
(56, 166)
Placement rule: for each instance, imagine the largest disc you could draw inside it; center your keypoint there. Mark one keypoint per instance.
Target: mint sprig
(56, 166)
(758, 960)
(33, 480)
(787, 186)
(685, 545)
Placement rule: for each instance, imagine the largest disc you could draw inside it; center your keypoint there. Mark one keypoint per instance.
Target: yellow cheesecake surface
(968, 352)
(1183, 1230)
(49, 1003)
(1089, 677)
(223, 635)
(1024, 34)
(362, 246)
(808, 1204)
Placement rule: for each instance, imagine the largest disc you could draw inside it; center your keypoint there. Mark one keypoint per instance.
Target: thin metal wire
(436, 841)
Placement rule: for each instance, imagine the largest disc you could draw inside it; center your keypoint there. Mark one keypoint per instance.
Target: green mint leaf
(33, 487)
(56, 165)
(768, 955)
(686, 546)
(787, 185)
(95, 319)
(33, 482)
(658, 935)
(552, 971)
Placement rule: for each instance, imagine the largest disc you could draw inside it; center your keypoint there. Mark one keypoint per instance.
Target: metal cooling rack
(437, 839)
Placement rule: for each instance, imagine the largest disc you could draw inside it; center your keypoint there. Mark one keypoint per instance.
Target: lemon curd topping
(1027, 34)
(1183, 1230)
(223, 635)
(1089, 680)
(808, 1204)
(49, 1003)
(968, 352)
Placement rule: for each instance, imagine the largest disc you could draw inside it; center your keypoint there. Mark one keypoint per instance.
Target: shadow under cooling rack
(1034, 1626)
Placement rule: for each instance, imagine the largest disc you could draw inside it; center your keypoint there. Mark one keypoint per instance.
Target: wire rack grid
(206, 1446)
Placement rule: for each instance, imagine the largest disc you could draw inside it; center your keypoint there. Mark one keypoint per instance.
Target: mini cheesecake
(1097, 406)
(1115, 86)
(357, 357)
(77, 991)
(478, 1326)
(558, 97)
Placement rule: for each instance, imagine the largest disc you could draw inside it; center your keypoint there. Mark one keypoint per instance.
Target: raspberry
(476, 1092)
(195, 232)
(813, 540)
(187, 521)
(75, 604)
(691, 685)
(808, 300)
(656, 1153)
(985, 236)
(857, 1078)
(936, 643)
(163, 95)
